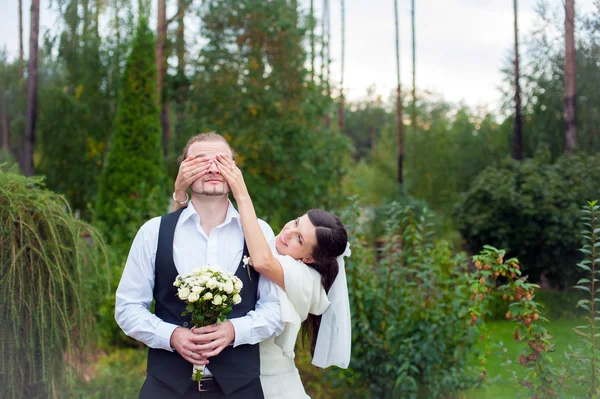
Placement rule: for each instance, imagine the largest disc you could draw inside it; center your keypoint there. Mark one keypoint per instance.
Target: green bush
(555, 304)
(53, 271)
(410, 333)
(119, 374)
(531, 209)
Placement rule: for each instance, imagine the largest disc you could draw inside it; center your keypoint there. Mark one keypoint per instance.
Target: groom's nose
(213, 168)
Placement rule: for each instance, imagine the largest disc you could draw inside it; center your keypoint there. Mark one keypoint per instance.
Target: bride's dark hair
(331, 243)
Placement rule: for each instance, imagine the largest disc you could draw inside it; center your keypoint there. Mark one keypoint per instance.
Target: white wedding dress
(303, 294)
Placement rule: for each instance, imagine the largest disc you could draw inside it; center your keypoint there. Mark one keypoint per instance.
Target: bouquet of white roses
(210, 294)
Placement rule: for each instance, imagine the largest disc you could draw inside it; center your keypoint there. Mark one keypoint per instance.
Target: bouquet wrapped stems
(210, 294)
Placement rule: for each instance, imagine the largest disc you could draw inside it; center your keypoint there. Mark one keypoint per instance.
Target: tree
(132, 186)
(414, 71)
(5, 131)
(312, 40)
(399, 123)
(31, 90)
(518, 134)
(341, 103)
(161, 66)
(325, 56)
(53, 276)
(254, 87)
(21, 62)
(570, 77)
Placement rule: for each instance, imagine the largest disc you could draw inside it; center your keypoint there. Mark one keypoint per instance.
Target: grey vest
(233, 368)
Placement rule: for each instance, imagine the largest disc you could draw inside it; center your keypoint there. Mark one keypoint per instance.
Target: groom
(207, 232)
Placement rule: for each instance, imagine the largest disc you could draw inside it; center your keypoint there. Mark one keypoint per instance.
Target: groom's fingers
(206, 329)
(214, 352)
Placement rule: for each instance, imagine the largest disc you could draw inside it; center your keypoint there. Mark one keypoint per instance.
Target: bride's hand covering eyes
(233, 175)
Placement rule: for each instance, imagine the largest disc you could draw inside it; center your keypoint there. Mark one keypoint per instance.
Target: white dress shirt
(191, 248)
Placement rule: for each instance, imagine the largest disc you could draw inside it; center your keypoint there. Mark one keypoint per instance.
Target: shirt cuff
(164, 331)
(243, 331)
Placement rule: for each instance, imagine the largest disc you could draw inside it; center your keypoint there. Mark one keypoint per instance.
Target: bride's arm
(260, 253)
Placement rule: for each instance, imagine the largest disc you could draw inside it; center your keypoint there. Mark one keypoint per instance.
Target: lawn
(561, 330)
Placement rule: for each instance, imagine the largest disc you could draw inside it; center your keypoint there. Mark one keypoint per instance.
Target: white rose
(183, 293)
(217, 300)
(207, 296)
(212, 283)
(237, 299)
(177, 283)
(228, 287)
(238, 284)
(197, 289)
(193, 297)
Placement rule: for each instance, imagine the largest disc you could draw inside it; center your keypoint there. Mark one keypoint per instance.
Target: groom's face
(212, 183)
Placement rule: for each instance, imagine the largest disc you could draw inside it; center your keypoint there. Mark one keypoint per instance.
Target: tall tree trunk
(570, 77)
(312, 41)
(414, 70)
(518, 126)
(21, 57)
(327, 58)
(399, 102)
(180, 39)
(30, 119)
(180, 49)
(5, 132)
(341, 103)
(161, 65)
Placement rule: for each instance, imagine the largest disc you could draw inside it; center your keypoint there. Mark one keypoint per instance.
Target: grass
(504, 388)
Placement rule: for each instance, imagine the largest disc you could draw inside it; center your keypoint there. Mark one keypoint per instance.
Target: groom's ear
(308, 260)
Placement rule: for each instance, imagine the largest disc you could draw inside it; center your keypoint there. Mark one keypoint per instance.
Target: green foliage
(118, 374)
(132, 186)
(555, 304)
(77, 151)
(542, 80)
(76, 105)
(255, 90)
(52, 278)
(449, 148)
(410, 337)
(530, 207)
(588, 333)
(538, 377)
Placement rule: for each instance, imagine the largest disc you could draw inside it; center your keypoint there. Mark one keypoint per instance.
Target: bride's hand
(190, 170)
(233, 175)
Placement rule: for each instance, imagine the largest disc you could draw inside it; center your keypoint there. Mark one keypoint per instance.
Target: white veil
(335, 334)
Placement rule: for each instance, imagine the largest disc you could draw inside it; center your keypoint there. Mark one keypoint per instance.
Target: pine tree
(255, 88)
(132, 185)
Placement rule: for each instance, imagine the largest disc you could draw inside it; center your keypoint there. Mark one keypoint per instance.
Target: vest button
(185, 323)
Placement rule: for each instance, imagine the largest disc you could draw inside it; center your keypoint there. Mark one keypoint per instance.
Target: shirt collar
(190, 212)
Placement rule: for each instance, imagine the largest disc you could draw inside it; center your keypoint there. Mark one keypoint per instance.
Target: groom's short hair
(207, 136)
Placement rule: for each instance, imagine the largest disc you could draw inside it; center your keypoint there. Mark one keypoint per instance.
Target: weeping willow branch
(53, 274)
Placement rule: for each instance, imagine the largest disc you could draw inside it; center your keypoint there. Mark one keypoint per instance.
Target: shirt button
(185, 323)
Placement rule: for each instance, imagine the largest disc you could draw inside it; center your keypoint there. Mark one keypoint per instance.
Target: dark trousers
(156, 389)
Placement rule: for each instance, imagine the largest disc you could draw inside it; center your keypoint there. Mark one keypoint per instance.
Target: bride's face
(297, 239)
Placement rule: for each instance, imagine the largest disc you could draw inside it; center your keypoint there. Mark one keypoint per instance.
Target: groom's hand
(185, 343)
(214, 338)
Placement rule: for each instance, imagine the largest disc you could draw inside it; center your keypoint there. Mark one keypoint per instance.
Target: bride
(305, 261)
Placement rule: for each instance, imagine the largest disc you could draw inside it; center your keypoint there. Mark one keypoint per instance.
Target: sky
(461, 44)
